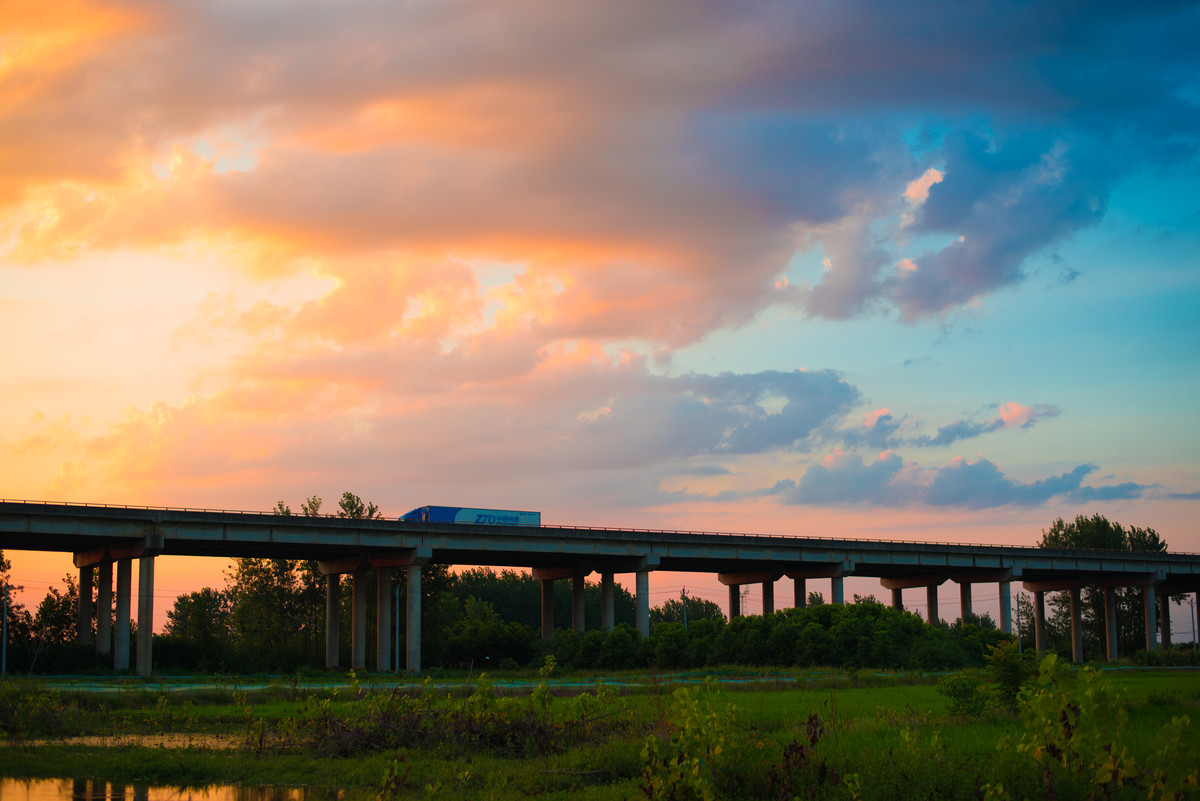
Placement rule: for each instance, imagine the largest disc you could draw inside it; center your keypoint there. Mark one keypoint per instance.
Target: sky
(920, 271)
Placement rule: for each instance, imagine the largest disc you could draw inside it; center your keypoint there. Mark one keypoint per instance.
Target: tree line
(270, 617)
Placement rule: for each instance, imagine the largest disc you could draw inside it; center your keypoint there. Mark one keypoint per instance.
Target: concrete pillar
(898, 599)
(104, 614)
(1164, 615)
(83, 610)
(383, 619)
(577, 606)
(836, 589)
(412, 643)
(1076, 626)
(643, 602)
(124, 588)
(768, 589)
(1151, 619)
(333, 617)
(1006, 607)
(1039, 621)
(1110, 623)
(358, 620)
(608, 602)
(735, 601)
(145, 637)
(801, 593)
(964, 595)
(547, 609)
(931, 605)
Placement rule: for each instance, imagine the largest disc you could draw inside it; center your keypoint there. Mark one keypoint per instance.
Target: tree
(687, 610)
(1097, 532)
(266, 616)
(55, 621)
(352, 506)
(201, 616)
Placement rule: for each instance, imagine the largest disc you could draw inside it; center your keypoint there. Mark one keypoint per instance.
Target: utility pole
(1018, 623)
(683, 597)
(1191, 606)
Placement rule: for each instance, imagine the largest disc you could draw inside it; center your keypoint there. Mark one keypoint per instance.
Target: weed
(684, 766)
(798, 768)
(29, 710)
(1071, 731)
(396, 777)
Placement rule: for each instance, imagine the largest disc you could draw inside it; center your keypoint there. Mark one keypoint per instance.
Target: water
(88, 790)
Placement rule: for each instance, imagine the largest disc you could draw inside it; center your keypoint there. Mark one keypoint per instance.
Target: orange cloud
(917, 190)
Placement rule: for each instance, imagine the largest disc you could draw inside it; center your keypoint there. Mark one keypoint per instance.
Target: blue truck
(459, 514)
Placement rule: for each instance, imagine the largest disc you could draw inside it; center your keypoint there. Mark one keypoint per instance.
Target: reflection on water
(210, 741)
(88, 790)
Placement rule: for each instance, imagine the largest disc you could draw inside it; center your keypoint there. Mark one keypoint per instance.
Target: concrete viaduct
(104, 537)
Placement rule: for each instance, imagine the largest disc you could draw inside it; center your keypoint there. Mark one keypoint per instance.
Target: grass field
(743, 735)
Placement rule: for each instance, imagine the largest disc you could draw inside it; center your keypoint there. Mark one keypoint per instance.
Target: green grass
(892, 736)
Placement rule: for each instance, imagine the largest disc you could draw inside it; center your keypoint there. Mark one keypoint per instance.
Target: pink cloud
(1015, 415)
(873, 417)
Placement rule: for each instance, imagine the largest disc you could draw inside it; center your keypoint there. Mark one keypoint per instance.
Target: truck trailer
(459, 514)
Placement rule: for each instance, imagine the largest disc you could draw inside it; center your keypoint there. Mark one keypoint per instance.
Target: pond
(89, 790)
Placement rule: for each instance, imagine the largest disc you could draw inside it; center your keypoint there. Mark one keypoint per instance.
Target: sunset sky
(857, 269)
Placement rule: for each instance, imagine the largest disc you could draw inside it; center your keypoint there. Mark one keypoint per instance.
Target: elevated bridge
(101, 537)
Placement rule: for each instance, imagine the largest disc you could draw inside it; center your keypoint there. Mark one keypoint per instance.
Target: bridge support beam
(104, 610)
(358, 620)
(1076, 626)
(578, 617)
(837, 590)
(124, 588)
(800, 593)
(1039, 621)
(1151, 618)
(735, 601)
(412, 645)
(383, 619)
(1006, 607)
(1164, 616)
(547, 608)
(608, 604)
(1110, 623)
(768, 592)
(83, 611)
(1039, 590)
(333, 606)
(927, 580)
(643, 602)
(145, 635)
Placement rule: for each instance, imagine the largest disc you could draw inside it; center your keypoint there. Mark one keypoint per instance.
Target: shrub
(966, 691)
